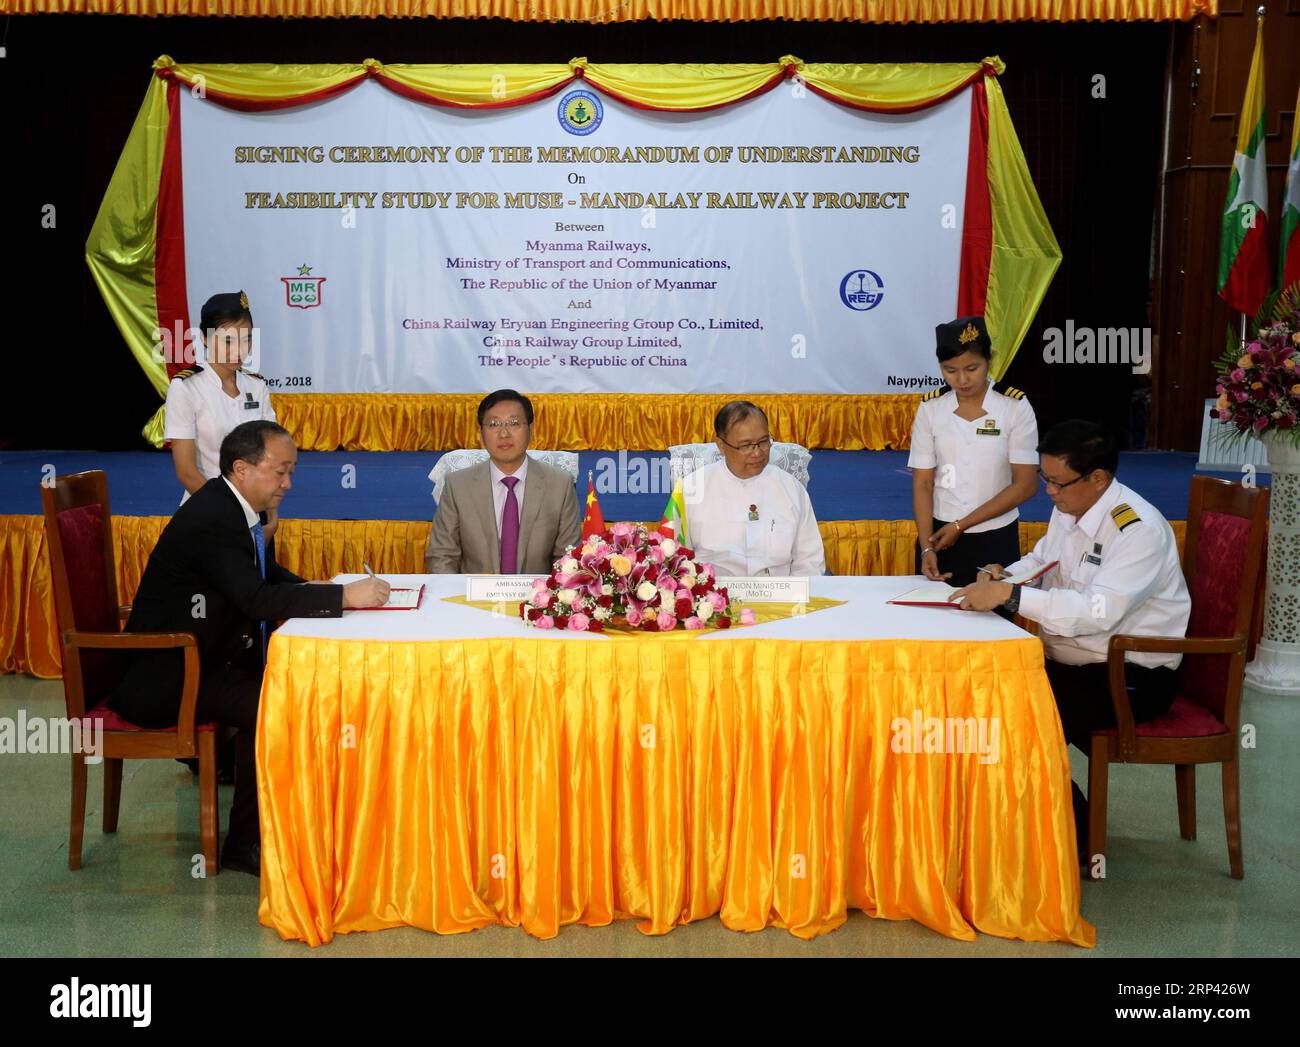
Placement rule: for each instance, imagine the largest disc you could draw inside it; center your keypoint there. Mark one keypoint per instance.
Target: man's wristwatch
(1013, 601)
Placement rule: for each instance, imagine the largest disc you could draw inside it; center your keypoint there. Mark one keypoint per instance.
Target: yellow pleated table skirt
(449, 785)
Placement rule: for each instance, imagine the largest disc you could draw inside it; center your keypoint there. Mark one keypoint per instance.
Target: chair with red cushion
(79, 535)
(1223, 563)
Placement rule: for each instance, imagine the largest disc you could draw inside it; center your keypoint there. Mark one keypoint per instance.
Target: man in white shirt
(744, 515)
(1117, 573)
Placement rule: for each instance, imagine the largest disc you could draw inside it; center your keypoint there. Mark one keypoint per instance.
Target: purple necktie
(510, 527)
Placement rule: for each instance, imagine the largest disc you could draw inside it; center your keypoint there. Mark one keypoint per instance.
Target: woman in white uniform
(206, 402)
(974, 459)
(744, 515)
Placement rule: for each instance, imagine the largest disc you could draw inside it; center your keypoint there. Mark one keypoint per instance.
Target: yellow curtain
(450, 785)
(320, 549)
(121, 256)
(413, 422)
(602, 11)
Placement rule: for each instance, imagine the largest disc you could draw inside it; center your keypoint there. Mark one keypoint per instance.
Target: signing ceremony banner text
(786, 229)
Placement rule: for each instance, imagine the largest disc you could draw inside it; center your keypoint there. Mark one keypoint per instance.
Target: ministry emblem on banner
(580, 112)
(304, 290)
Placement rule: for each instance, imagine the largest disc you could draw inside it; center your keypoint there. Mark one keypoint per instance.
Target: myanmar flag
(1289, 264)
(674, 521)
(593, 522)
(1244, 276)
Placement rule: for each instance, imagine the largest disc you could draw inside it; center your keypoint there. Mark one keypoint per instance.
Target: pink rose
(718, 600)
(747, 616)
(578, 623)
(543, 598)
(693, 622)
(633, 617)
(667, 620)
(621, 530)
(545, 622)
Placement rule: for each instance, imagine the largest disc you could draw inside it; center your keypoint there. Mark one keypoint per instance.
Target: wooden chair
(1223, 564)
(79, 535)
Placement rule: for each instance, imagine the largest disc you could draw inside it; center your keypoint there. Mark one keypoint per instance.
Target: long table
(448, 768)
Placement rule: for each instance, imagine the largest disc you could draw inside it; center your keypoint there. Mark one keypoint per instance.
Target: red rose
(649, 624)
(651, 573)
(604, 601)
(640, 555)
(553, 585)
(684, 607)
(1285, 422)
(698, 589)
(533, 614)
(723, 622)
(523, 608)
(561, 621)
(595, 627)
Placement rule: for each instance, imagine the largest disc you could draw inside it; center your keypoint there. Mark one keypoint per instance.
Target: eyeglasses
(1059, 486)
(758, 445)
(497, 424)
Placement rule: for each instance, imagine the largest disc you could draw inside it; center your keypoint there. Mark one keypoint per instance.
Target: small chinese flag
(593, 522)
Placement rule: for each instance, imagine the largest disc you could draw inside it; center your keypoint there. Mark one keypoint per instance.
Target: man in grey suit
(510, 515)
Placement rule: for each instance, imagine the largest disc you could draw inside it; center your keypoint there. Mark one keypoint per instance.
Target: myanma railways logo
(580, 112)
(304, 290)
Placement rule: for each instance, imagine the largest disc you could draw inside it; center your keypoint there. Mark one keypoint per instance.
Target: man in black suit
(213, 574)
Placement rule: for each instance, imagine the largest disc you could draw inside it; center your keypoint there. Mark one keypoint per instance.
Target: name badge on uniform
(249, 403)
(988, 427)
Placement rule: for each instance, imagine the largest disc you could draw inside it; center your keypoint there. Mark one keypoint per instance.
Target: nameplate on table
(766, 590)
(498, 588)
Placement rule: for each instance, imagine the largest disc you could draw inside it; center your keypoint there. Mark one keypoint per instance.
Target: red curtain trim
(252, 105)
(977, 219)
(762, 88)
(976, 77)
(406, 91)
(171, 294)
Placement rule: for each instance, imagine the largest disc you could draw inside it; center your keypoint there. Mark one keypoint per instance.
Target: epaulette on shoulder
(934, 394)
(1008, 390)
(1123, 515)
(189, 372)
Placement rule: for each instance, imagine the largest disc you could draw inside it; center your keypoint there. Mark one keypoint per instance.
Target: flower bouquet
(1259, 383)
(629, 577)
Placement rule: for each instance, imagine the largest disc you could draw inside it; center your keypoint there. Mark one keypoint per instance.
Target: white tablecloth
(865, 615)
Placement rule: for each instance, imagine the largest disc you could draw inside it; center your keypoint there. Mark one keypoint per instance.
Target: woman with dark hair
(206, 402)
(974, 459)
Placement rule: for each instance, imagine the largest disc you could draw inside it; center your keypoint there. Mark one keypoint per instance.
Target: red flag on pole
(593, 522)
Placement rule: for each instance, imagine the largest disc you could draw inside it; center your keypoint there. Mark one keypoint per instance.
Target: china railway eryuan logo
(862, 290)
(304, 290)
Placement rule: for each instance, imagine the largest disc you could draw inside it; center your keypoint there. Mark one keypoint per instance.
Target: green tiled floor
(135, 896)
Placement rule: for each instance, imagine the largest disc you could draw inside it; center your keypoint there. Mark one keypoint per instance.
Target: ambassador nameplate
(498, 588)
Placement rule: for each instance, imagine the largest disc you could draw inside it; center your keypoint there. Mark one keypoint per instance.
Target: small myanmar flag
(593, 521)
(674, 520)
(1244, 277)
(1289, 263)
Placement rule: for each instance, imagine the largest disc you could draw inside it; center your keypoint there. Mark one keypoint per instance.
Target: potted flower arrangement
(1259, 382)
(628, 576)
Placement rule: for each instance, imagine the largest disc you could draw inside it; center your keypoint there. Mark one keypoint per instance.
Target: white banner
(783, 244)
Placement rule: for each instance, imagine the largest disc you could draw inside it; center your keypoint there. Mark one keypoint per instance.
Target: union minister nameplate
(498, 588)
(766, 590)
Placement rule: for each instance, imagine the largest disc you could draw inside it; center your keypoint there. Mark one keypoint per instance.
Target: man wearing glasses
(1117, 573)
(745, 516)
(510, 515)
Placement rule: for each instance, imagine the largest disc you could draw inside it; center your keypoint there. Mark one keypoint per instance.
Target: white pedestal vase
(1276, 668)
